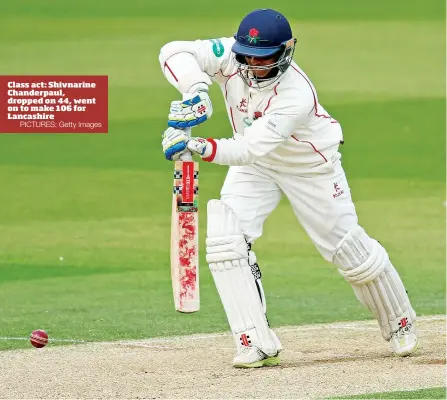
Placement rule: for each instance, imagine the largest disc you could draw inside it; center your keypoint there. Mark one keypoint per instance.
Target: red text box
(53, 104)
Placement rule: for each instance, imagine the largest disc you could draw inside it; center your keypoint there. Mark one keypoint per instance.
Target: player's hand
(174, 143)
(200, 146)
(192, 112)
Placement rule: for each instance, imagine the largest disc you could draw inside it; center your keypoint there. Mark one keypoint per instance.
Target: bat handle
(186, 156)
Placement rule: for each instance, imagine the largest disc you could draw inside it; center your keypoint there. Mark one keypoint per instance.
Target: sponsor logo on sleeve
(218, 48)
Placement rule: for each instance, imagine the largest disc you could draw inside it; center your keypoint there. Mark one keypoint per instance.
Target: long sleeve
(187, 63)
(262, 137)
(266, 133)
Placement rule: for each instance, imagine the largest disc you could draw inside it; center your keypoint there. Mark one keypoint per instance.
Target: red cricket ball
(38, 338)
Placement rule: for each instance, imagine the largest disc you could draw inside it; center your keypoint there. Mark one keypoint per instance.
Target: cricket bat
(185, 235)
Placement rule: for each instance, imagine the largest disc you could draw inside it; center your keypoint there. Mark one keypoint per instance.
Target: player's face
(259, 62)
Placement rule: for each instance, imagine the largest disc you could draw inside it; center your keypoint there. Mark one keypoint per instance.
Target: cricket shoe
(253, 357)
(405, 340)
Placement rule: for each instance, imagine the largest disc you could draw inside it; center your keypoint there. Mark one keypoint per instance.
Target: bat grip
(186, 156)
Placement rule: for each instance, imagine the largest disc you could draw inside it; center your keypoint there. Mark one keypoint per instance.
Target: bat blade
(185, 237)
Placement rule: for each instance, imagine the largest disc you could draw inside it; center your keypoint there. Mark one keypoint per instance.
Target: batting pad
(227, 255)
(365, 264)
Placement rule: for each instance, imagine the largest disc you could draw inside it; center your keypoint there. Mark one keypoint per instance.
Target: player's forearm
(230, 152)
(258, 140)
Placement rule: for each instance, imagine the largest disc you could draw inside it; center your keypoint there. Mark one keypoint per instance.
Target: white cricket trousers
(322, 203)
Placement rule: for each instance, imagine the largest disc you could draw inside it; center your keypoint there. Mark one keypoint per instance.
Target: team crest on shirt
(256, 115)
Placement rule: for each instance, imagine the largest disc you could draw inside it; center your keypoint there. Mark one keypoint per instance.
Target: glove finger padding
(174, 143)
(199, 146)
(191, 112)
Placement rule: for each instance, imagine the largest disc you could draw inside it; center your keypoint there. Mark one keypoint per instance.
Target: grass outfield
(102, 202)
(434, 393)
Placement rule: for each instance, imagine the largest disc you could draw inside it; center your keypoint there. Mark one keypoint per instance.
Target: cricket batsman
(283, 143)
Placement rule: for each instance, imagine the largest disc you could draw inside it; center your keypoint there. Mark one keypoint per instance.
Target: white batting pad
(227, 255)
(365, 264)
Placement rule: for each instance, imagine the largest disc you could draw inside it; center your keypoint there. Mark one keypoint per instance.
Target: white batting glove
(192, 112)
(200, 146)
(174, 143)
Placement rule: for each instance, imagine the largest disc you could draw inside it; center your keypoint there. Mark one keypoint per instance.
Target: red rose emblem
(253, 32)
(257, 114)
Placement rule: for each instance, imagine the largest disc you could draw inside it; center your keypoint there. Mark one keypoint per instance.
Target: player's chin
(260, 73)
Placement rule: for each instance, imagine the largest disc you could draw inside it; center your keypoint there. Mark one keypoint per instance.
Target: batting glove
(174, 143)
(192, 112)
(200, 146)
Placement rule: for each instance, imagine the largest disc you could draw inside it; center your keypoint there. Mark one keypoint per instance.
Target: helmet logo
(252, 36)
